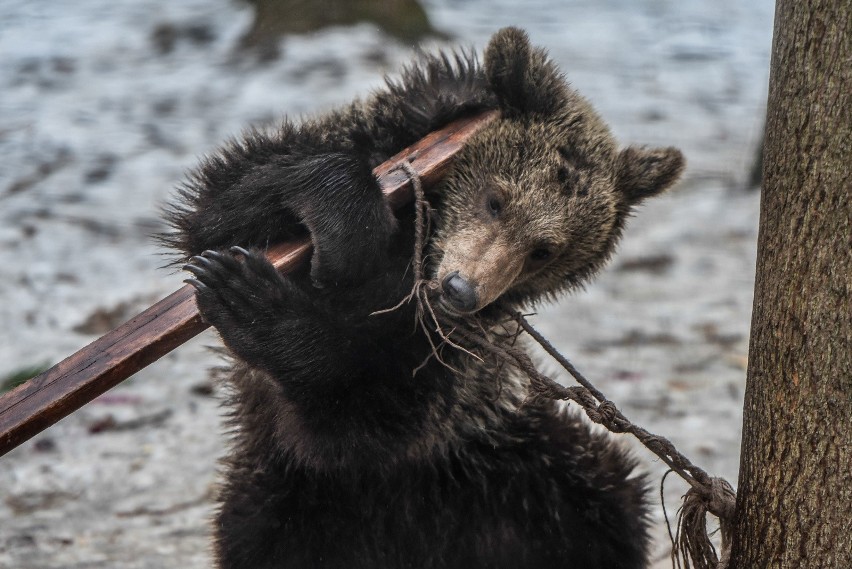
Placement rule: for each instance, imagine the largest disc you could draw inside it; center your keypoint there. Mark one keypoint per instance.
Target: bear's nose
(460, 294)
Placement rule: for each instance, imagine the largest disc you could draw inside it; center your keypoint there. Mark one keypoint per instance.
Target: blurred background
(105, 105)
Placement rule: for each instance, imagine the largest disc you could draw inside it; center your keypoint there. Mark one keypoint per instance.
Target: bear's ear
(645, 172)
(522, 77)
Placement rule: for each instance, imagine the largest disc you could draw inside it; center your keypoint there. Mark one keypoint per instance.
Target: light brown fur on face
(486, 258)
(554, 215)
(536, 203)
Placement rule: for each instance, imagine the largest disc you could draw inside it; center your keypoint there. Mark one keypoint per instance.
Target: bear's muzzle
(459, 293)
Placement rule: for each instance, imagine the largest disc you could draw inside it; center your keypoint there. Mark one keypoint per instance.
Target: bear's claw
(240, 251)
(196, 283)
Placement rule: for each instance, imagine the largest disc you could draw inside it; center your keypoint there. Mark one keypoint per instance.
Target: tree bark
(794, 503)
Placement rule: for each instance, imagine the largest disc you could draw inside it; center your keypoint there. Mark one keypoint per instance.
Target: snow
(99, 122)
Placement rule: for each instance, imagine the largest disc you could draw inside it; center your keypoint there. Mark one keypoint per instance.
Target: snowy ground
(104, 105)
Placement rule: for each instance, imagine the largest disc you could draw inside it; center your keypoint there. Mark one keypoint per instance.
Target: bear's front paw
(352, 258)
(350, 221)
(235, 289)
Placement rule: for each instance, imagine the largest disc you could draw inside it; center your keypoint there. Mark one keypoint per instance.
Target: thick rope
(691, 547)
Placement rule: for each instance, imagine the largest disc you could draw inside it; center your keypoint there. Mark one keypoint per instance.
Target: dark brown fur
(341, 456)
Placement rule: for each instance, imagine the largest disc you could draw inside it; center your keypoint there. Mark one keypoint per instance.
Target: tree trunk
(794, 503)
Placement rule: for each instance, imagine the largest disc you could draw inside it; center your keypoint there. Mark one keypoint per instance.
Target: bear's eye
(540, 254)
(494, 206)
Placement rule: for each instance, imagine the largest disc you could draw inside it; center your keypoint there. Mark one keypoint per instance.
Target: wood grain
(148, 336)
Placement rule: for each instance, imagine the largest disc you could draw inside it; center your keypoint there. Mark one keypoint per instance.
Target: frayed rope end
(691, 548)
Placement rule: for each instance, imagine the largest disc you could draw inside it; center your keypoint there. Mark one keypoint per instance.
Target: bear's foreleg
(338, 199)
(336, 372)
(261, 200)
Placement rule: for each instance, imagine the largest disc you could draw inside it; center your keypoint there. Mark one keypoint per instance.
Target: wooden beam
(45, 399)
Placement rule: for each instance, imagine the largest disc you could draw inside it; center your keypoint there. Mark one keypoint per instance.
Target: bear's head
(536, 201)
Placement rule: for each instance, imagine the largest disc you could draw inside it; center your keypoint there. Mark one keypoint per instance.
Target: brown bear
(341, 455)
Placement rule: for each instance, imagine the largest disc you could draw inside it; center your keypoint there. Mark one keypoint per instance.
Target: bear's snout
(458, 291)
(477, 267)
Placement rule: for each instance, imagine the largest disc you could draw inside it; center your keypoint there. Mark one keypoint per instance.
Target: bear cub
(341, 456)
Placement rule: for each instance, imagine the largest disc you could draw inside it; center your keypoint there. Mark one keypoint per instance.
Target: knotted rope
(691, 546)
